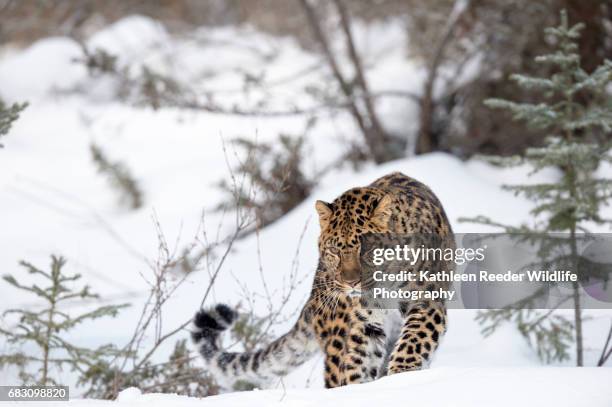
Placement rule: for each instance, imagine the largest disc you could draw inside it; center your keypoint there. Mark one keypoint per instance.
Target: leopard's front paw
(404, 364)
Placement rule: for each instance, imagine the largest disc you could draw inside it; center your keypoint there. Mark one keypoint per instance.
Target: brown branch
(237, 111)
(345, 86)
(379, 138)
(351, 100)
(425, 139)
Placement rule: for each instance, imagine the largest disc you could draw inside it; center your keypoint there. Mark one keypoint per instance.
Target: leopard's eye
(330, 245)
(331, 257)
(334, 251)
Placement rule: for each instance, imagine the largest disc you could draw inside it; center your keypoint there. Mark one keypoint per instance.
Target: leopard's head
(343, 222)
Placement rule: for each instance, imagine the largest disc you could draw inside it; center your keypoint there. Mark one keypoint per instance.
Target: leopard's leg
(331, 332)
(365, 346)
(424, 324)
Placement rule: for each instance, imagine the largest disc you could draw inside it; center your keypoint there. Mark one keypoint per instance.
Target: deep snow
(54, 202)
(474, 387)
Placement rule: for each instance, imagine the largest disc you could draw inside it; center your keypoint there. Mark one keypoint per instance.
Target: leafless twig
(425, 142)
(367, 120)
(606, 350)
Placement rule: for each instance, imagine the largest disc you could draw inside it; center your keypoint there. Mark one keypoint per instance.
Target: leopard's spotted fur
(357, 342)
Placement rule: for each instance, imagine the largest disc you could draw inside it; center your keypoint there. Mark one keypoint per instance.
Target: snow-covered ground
(559, 387)
(54, 202)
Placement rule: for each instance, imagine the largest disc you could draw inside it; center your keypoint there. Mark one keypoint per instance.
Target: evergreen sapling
(46, 328)
(576, 113)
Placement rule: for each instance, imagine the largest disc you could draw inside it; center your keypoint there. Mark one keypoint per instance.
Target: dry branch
(426, 140)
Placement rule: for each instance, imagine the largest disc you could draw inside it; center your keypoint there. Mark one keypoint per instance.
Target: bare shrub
(177, 375)
(276, 182)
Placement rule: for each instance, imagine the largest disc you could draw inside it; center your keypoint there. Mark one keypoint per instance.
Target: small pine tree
(8, 115)
(45, 328)
(119, 177)
(576, 112)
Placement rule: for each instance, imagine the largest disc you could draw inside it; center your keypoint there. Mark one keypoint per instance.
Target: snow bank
(511, 387)
(39, 70)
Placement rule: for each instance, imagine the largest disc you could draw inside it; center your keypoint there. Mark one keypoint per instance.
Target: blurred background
(171, 151)
(467, 54)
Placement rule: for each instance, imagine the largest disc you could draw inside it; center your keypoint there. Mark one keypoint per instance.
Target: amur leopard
(359, 344)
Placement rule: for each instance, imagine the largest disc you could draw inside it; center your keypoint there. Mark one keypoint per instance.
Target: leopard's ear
(324, 210)
(383, 211)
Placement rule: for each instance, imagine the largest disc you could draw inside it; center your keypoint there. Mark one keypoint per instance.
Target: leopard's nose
(350, 268)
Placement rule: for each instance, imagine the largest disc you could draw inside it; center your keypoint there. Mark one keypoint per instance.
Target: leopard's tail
(258, 367)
